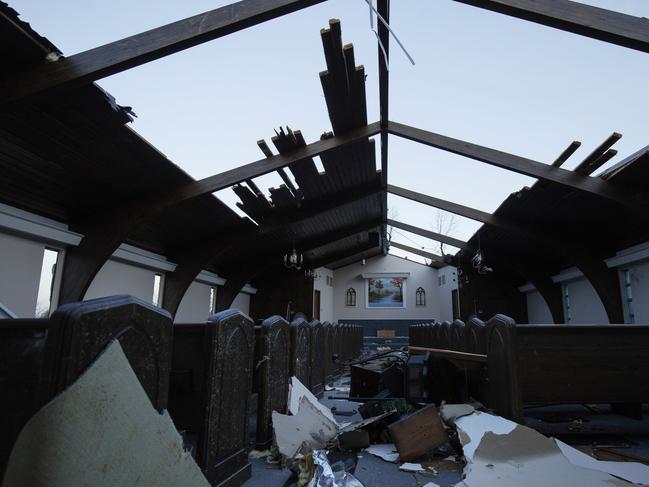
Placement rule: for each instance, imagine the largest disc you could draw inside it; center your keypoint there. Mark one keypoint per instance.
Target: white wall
(20, 271)
(195, 305)
(538, 312)
(585, 305)
(446, 283)
(242, 303)
(120, 278)
(639, 292)
(326, 293)
(420, 275)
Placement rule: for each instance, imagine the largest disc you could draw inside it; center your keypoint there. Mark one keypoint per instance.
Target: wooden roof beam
(118, 56)
(433, 257)
(460, 244)
(578, 18)
(258, 168)
(522, 165)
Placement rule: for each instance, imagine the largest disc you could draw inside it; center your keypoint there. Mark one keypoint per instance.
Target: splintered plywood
(418, 433)
(102, 431)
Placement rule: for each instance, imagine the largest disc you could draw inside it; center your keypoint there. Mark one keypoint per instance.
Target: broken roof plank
(578, 18)
(231, 177)
(522, 165)
(118, 56)
(570, 150)
(594, 160)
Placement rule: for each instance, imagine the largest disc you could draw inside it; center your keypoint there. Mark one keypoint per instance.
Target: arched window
(350, 299)
(420, 297)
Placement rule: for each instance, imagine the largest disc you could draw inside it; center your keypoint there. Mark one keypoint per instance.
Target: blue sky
(480, 76)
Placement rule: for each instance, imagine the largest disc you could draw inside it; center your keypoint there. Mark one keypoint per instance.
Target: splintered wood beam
(282, 173)
(255, 169)
(594, 160)
(118, 56)
(522, 165)
(570, 150)
(255, 189)
(428, 234)
(422, 253)
(578, 18)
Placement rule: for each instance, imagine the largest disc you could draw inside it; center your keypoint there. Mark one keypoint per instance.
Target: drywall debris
(632, 471)
(412, 467)
(451, 412)
(296, 391)
(102, 431)
(386, 451)
(502, 453)
(309, 427)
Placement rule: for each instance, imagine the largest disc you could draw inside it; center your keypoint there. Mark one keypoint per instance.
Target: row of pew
(510, 366)
(205, 374)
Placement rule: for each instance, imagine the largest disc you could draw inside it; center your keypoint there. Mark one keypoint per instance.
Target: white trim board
(631, 255)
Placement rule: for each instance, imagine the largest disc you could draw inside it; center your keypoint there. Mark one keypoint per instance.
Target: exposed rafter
(255, 169)
(523, 165)
(118, 56)
(433, 257)
(578, 18)
(428, 234)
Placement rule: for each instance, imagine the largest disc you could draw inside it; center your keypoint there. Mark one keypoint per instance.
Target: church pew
(40, 358)
(300, 362)
(549, 364)
(210, 389)
(317, 356)
(328, 347)
(21, 357)
(273, 342)
(457, 337)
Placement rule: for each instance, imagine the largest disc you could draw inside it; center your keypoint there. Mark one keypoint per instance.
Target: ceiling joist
(578, 18)
(118, 56)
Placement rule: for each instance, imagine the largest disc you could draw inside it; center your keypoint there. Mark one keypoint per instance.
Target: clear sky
(484, 77)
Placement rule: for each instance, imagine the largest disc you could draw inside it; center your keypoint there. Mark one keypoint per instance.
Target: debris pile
(478, 448)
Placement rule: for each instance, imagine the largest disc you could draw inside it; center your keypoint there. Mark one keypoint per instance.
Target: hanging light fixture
(311, 274)
(293, 260)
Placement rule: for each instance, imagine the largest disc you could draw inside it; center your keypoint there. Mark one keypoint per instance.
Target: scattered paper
(386, 451)
(309, 427)
(433, 484)
(259, 454)
(412, 467)
(296, 391)
(632, 471)
(102, 431)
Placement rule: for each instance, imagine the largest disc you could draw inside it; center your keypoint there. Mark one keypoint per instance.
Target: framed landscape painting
(386, 292)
